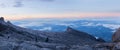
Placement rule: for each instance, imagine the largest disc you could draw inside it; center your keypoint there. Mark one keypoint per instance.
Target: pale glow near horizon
(73, 15)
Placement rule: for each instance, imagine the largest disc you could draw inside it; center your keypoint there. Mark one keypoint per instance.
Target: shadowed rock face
(3, 25)
(81, 37)
(116, 36)
(79, 33)
(8, 30)
(71, 37)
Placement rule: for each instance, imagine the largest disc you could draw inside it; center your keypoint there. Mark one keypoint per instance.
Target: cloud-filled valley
(98, 28)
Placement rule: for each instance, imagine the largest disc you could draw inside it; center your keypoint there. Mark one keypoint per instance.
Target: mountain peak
(9, 22)
(69, 29)
(3, 24)
(81, 34)
(1, 18)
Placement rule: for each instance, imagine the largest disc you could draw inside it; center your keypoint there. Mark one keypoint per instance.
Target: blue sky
(58, 8)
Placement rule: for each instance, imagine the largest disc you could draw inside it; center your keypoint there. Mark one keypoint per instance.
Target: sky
(25, 9)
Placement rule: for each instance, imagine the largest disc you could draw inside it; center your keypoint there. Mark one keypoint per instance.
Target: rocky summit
(13, 37)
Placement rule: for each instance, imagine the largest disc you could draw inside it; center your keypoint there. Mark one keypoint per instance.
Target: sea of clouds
(97, 27)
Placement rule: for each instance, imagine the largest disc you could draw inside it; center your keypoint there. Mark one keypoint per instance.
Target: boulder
(77, 47)
(116, 46)
(62, 48)
(116, 36)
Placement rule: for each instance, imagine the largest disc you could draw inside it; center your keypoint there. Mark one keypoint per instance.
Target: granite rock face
(116, 36)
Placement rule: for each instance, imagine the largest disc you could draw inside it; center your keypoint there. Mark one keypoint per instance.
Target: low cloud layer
(49, 24)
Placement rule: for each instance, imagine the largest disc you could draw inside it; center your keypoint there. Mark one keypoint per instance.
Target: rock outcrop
(1, 18)
(81, 37)
(3, 25)
(116, 36)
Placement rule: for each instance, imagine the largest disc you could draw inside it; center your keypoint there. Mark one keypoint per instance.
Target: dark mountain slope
(72, 36)
(10, 31)
(20, 38)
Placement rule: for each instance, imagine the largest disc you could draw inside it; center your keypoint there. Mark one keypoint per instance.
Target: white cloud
(65, 24)
(46, 28)
(88, 24)
(31, 24)
(114, 27)
(111, 26)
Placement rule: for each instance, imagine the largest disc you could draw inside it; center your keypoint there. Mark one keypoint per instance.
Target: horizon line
(74, 15)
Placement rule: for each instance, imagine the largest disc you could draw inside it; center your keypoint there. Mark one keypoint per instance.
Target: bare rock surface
(116, 36)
